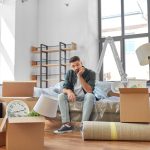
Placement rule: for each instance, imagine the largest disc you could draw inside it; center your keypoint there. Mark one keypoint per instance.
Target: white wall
(45, 21)
(77, 22)
(7, 40)
(92, 43)
(26, 36)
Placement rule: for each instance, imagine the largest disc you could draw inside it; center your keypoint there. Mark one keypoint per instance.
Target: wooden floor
(73, 141)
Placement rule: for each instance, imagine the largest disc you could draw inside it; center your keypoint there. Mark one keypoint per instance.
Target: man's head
(75, 63)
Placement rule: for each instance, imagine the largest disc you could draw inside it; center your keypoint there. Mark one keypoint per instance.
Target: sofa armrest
(110, 93)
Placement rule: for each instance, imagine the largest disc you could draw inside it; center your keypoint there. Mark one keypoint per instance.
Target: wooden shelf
(33, 77)
(48, 65)
(72, 46)
(34, 64)
(46, 62)
(49, 80)
(34, 49)
(47, 75)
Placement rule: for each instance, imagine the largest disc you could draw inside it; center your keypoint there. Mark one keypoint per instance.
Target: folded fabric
(101, 89)
(46, 91)
(58, 87)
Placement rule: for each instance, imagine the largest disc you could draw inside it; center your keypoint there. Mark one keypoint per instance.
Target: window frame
(121, 38)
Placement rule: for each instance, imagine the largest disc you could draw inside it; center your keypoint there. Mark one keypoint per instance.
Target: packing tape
(113, 131)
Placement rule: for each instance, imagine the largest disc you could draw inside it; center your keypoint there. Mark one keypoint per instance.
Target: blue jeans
(88, 102)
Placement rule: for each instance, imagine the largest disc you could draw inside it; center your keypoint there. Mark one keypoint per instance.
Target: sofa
(106, 108)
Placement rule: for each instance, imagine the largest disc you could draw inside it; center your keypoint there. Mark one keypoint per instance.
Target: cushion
(58, 87)
(101, 89)
(46, 91)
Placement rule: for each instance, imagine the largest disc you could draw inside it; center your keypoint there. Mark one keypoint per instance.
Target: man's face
(76, 66)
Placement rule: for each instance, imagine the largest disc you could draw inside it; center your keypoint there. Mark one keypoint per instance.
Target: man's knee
(89, 97)
(62, 96)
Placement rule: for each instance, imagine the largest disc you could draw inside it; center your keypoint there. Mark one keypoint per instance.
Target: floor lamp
(143, 54)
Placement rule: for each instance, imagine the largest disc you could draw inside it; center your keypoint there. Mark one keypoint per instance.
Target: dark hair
(73, 59)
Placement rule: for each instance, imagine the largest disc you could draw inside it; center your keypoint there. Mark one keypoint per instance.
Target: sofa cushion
(110, 104)
(106, 110)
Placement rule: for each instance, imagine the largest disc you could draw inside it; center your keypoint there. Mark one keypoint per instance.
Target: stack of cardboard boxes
(2, 136)
(21, 133)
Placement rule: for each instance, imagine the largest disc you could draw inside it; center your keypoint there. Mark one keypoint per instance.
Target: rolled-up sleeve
(67, 83)
(92, 79)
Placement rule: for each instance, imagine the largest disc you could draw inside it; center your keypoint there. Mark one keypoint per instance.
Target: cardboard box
(134, 105)
(25, 133)
(18, 88)
(30, 101)
(2, 136)
(1, 109)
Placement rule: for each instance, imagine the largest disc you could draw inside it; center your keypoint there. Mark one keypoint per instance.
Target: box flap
(133, 90)
(26, 120)
(1, 109)
(3, 123)
(18, 88)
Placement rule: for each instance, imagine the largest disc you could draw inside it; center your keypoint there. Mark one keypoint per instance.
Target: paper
(136, 83)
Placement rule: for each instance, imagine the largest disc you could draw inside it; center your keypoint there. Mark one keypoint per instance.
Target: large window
(127, 21)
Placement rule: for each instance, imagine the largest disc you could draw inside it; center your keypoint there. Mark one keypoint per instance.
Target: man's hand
(80, 72)
(84, 84)
(71, 96)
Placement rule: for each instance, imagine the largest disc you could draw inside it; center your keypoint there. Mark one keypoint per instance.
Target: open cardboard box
(25, 133)
(2, 136)
(2, 133)
(1, 109)
(18, 90)
(134, 105)
(22, 133)
(30, 101)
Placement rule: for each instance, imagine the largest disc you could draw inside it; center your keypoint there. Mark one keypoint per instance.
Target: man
(78, 85)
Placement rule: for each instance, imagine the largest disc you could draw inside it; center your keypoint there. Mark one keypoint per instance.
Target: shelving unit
(44, 62)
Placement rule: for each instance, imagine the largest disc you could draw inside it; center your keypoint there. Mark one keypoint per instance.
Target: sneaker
(64, 129)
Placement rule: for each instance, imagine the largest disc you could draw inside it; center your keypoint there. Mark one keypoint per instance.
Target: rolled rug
(94, 130)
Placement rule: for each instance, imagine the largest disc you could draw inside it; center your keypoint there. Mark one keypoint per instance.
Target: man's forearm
(66, 91)
(85, 85)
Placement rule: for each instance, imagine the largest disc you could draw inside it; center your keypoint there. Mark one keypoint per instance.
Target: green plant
(33, 113)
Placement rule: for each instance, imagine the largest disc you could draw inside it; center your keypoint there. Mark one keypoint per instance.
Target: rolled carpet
(94, 130)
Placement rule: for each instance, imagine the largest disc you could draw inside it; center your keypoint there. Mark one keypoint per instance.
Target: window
(135, 16)
(128, 23)
(133, 69)
(111, 18)
(109, 61)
